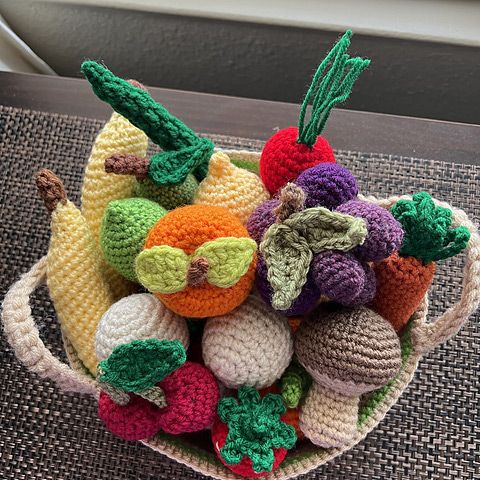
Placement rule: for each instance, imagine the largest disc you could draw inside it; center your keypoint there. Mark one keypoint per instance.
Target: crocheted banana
(252, 345)
(74, 276)
(118, 136)
(348, 352)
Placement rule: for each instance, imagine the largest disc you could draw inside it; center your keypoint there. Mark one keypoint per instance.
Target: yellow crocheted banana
(74, 278)
(118, 136)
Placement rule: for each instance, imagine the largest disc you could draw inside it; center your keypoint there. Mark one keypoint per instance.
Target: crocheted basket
(421, 337)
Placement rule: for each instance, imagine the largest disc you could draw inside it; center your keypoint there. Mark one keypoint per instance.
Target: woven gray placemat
(433, 432)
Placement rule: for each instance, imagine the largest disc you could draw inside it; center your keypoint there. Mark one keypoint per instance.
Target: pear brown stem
(128, 164)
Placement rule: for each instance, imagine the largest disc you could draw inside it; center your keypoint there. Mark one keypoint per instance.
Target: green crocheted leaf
(428, 232)
(254, 428)
(327, 230)
(141, 364)
(163, 269)
(287, 256)
(184, 150)
(228, 258)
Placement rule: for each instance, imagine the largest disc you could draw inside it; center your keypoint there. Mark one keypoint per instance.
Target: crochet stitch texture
(138, 317)
(188, 228)
(231, 187)
(125, 226)
(252, 345)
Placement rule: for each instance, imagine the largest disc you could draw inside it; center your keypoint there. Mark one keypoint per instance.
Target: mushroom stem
(50, 188)
(155, 395)
(329, 419)
(128, 164)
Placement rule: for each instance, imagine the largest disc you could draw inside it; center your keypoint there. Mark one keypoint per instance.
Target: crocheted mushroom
(348, 352)
(138, 317)
(292, 150)
(229, 186)
(252, 345)
(198, 260)
(147, 386)
(124, 228)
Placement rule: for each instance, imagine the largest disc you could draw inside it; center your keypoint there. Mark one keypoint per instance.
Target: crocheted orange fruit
(199, 261)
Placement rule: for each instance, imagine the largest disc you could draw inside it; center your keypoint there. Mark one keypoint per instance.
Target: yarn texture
(168, 196)
(231, 187)
(125, 226)
(187, 229)
(250, 437)
(252, 345)
(138, 317)
(262, 218)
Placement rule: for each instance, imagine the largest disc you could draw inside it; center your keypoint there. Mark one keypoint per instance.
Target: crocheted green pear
(124, 228)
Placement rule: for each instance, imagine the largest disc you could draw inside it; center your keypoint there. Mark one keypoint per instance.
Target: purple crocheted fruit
(303, 304)
(343, 278)
(327, 185)
(385, 234)
(261, 219)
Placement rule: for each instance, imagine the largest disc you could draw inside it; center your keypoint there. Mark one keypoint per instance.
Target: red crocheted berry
(283, 158)
(244, 468)
(135, 421)
(192, 395)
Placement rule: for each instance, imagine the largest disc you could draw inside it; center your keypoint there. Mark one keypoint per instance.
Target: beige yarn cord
(426, 336)
(23, 336)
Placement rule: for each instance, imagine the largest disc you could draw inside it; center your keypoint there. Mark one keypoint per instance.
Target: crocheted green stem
(183, 148)
(428, 232)
(294, 384)
(254, 428)
(329, 89)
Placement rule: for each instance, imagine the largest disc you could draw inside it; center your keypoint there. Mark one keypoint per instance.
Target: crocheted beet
(343, 278)
(252, 345)
(327, 185)
(293, 150)
(303, 304)
(196, 284)
(137, 420)
(192, 395)
(249, 435)
(385, 234)
(284, 158)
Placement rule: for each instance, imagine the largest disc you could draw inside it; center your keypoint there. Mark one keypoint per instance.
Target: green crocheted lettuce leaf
(254, 428)
(141, 364)
(428, 232)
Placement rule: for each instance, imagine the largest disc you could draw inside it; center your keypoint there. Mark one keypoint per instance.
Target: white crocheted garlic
(138, 317)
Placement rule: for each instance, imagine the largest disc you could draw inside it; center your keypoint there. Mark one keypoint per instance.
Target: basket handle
(23, 336)
(427, 336)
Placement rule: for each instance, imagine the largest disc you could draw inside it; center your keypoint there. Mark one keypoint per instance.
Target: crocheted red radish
(147, 387)
(249, 434)
(294, 149)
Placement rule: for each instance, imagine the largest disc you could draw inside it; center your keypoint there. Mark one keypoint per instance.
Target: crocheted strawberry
(249, 435)
(147, 387)
(292, 150)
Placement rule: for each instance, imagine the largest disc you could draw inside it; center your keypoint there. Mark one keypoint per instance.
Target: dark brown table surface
(248, 118)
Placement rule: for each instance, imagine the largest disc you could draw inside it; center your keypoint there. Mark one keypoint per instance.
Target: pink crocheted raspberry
(192, 395)
(137, 420)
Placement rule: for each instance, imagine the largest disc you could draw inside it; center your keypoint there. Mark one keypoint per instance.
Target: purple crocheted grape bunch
(343, 276)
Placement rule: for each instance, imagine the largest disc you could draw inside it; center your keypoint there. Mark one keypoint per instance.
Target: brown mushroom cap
(350, 351)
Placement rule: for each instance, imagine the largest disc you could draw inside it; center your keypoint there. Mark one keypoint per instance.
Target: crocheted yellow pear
(229, 186)
(199, 261)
